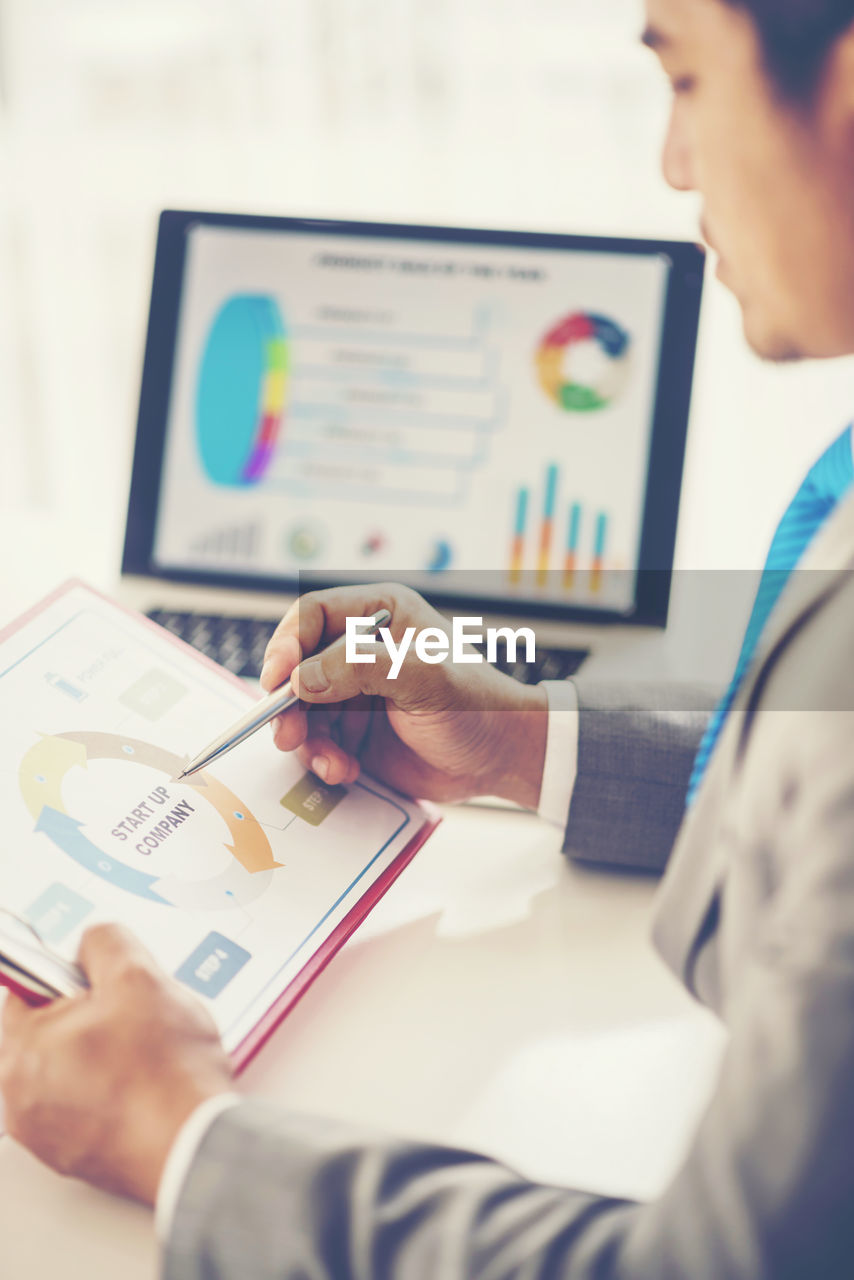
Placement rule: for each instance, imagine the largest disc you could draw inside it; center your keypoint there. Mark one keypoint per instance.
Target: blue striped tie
(826, 483)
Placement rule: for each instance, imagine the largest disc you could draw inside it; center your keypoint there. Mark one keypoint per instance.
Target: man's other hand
(98, 1086)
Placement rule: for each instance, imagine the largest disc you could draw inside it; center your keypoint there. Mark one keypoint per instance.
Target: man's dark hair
(797, 37)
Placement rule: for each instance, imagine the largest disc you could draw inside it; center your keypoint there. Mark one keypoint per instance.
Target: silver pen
(265, 710)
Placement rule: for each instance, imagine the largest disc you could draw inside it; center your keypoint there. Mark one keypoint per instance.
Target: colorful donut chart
(552, 361)
(242, 390)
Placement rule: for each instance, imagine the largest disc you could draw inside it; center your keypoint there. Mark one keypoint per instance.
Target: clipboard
(98, 712)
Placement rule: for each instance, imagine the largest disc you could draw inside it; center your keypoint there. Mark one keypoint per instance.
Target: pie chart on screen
(583, 362)
(241, 394)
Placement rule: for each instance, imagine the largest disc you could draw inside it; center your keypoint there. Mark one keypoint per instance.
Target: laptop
(496, 417)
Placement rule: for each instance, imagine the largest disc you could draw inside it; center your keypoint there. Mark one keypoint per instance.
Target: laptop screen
(493, 416)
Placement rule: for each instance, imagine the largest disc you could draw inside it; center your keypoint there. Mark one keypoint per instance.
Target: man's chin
(767, 342)
(770, 344)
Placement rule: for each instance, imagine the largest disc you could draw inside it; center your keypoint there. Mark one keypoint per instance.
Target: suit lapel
(697, 866)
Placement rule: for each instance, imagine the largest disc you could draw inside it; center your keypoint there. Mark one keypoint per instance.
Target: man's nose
(676, 155)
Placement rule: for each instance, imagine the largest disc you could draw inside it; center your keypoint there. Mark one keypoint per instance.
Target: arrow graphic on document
(65, 832)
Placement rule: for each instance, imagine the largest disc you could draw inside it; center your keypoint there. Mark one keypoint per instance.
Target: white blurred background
(546, 115)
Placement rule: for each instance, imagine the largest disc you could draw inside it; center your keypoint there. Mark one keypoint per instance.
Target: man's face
(776, 180)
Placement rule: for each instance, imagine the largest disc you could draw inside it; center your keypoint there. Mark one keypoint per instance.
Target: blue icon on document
(212, 965)
(65, 686)
(56, 912)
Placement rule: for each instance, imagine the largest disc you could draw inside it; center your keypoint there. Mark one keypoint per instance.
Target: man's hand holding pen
(441, 732)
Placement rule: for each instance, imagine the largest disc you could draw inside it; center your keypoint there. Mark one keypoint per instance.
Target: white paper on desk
(229, 887)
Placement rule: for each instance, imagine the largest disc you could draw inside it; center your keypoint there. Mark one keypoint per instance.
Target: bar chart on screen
(559, 540)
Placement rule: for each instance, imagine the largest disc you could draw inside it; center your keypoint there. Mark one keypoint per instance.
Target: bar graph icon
(547, 527)
(571, 560)
(571, 540)
(599, 547)
(240, 541)
(517, 550)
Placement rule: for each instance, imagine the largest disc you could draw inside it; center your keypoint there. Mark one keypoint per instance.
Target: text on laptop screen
(366, 405)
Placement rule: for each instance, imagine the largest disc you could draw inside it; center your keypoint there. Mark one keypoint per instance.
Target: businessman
(751, 810)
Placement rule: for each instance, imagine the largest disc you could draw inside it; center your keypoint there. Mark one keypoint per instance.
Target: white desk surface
(496, 998)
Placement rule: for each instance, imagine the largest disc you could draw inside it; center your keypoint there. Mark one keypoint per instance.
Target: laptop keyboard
(239, 644)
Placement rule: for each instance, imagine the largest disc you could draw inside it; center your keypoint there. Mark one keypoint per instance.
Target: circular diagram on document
(41, 777)
(241, 394)
(583, 362)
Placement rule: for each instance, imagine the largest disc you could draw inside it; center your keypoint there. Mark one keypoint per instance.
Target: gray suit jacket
(756, 914)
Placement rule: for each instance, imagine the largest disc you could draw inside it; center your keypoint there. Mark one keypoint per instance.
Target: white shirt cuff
(182, 1153)
(561, 764)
